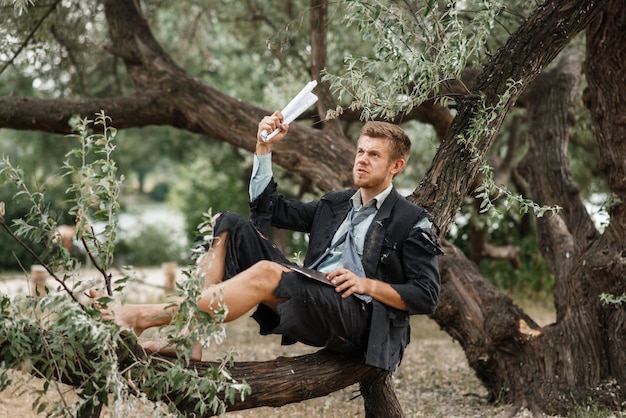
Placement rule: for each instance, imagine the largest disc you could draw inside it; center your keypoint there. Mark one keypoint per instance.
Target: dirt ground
(434, 379)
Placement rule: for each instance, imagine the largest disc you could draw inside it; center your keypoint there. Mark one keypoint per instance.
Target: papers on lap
(310, 273)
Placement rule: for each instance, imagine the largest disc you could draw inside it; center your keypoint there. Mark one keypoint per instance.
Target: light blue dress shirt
(262, 175)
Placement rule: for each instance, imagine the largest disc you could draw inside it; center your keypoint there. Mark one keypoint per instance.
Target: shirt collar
(378, 200)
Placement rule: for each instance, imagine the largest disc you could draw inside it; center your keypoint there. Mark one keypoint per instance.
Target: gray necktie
(350, 258)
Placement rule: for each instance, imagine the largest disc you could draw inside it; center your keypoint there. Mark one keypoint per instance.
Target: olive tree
(442, 64)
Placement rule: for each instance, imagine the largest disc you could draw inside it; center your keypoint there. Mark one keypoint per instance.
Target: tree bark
(546, 166)
(545, 369)
(273, 383)
(535, 44)
(563, 237)
(378, 396)
(319, 63)
(603, 269)
(286, 380)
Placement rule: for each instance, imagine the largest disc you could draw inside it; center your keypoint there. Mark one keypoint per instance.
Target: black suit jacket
(396, 250)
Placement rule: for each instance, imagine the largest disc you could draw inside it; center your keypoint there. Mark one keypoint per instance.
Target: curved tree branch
(53, 115)
(513, 59)
(166, 94)
(273, 383)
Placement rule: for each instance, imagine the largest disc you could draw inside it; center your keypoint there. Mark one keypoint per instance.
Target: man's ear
(397, 165)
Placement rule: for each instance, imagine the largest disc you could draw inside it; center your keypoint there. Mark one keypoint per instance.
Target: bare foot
(169, 350)
(123, 315)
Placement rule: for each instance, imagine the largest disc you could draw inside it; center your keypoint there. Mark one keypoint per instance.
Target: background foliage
(59, 338)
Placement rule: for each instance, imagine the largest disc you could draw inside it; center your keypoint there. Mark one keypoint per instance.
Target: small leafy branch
(96, 190)
(20, 6)
(488, 192)
(483, 126)
(615, 301)
(60, 339)
(95, 195)
(447, 43)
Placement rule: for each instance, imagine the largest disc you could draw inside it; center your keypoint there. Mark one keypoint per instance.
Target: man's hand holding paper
(303, 100)
(272, 123)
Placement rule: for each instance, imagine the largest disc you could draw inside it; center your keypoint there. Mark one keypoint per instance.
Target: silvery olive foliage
(420, 49)
(418, 46)
(60, 336)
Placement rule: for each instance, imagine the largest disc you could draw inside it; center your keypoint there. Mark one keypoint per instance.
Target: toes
(94, 294)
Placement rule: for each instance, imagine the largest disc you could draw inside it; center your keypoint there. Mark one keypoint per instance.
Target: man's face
(373, 166)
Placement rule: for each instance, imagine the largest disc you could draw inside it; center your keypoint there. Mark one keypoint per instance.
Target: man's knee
(267, 273)
(265, 278)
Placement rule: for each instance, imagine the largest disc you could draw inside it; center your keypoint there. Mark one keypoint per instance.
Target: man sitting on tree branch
(376, 252)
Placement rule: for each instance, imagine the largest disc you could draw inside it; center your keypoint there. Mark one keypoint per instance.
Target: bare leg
(211, 264)
(211, 269)
(131, 315)
(245, 290)
(240, 294)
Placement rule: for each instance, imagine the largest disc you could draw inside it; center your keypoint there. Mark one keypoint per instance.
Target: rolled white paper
(301, 102)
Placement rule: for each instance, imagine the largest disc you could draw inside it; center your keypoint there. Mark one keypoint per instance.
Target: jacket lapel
(375, 236)
(339, 208)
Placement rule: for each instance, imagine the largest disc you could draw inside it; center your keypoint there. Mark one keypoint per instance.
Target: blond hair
(400, 142)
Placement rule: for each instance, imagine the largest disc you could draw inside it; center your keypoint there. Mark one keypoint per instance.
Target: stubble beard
(367, 181)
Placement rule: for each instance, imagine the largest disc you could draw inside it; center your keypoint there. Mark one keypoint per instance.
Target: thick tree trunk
(545, 369)
(585, 349)
(604, 268)
(581, 356)
(495, 334)
(572, 350)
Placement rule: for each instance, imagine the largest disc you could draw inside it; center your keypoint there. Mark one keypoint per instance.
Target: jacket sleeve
(261, 209)
(421, 287)
(272, 209)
